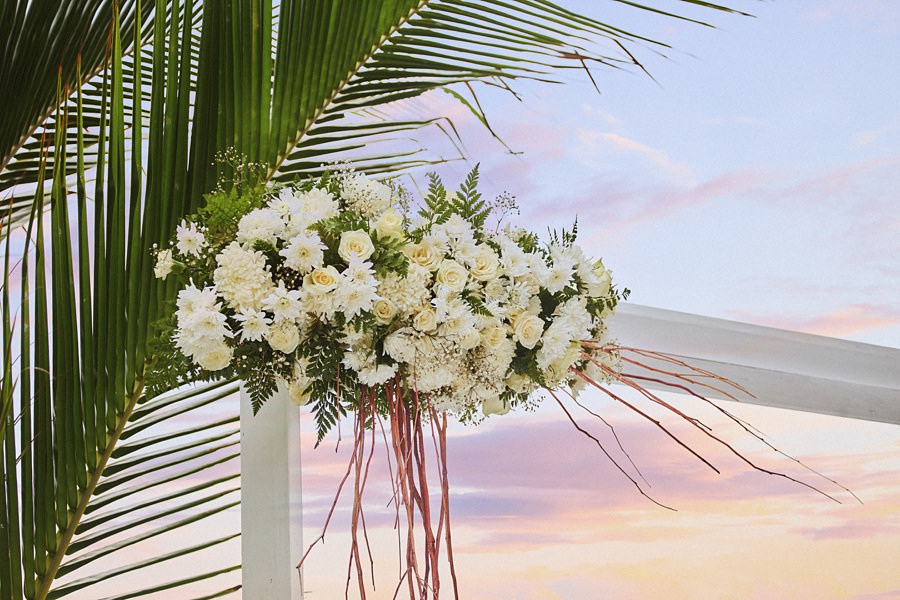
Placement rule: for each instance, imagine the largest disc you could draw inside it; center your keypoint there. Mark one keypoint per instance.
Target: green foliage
(330, 229)
(329, 381)
(476, 304)
(565, 237)
(468, 204)
(224, 209)
(436, 208)
(388, 256)
(261, 367)
(169, 368)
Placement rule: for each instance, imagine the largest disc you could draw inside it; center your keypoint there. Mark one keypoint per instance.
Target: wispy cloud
(848, 321)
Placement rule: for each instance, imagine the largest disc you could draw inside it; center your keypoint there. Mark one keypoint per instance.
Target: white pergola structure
(782, 369)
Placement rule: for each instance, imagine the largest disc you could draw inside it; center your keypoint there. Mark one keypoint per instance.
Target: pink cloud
(844, 322)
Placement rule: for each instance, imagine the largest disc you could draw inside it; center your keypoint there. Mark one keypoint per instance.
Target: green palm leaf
(120, 145)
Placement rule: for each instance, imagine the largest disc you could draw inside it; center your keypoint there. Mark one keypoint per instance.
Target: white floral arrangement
(338, 291)
(333, 286)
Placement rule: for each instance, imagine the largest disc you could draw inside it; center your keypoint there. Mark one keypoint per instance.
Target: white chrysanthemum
(558, 277)
(538, 271)
(319, 203)
(513, 259)
(304, 253)
(201, 326)
(408, 293)
(190, 240)
(400, 345)
(519, 295)
(437, 239)
(242, 277)
(254, 324)
(264, 224)
(207, 324)
(353, 298)
(164, 264)
(192, 299)
(465, 250)
(284, 304)
(374, 375)
(367, 197)
(321, 304)
(565, 256)
(286, 202)
(456, 227)
(355, 360)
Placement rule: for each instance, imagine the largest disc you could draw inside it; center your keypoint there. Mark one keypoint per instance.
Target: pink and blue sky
(757, 180)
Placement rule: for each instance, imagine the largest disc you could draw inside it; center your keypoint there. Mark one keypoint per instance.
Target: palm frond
(119, 136)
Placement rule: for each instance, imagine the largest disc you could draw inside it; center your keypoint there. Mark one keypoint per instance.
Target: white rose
(485, 264)
(494, 406)
(600, 288)
(215, 358)
(561, 365)
(425, 319)
(321, 280)
(471, 339)
(528, 329)
(424, 255)
(452, 274)
(298, 392)
(519, 383)
(384, 311)
(284, 337)
(493, 337)
(390, 224)
(355, 243)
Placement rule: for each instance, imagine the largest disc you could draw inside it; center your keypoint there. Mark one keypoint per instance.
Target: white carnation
(164, 264)
(264, 224)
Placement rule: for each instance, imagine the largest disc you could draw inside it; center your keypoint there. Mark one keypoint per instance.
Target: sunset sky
(755, 178)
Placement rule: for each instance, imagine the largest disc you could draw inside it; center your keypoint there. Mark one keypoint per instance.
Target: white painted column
(271, 508)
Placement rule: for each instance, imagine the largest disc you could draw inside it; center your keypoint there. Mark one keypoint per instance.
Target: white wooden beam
(271, 510)
(784, 369)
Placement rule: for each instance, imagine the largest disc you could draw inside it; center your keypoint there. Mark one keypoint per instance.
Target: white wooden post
(271, 509)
